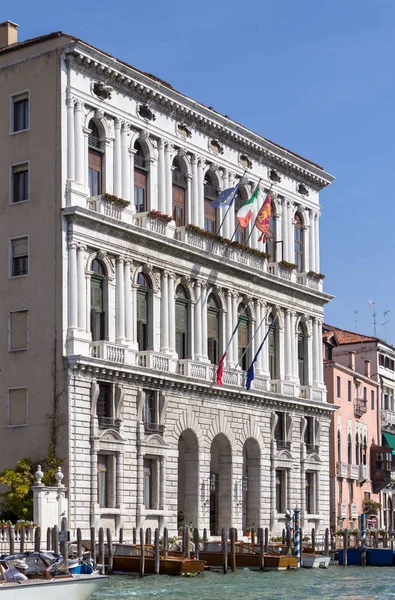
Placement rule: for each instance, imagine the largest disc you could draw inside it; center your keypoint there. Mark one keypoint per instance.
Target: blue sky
(316, 76)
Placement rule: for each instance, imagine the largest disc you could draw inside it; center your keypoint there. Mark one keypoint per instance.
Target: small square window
(18, 330)
(20, 183)
(17, 407)
(19, 112)
(19, 256)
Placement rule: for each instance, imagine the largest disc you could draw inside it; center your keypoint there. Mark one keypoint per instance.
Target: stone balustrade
(109, 208)
(107, 351)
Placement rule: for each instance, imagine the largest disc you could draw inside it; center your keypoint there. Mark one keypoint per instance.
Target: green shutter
(96, 295)
(142, 307)
(181, 317)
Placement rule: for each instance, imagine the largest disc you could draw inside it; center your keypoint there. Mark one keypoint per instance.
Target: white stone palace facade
(118, 300)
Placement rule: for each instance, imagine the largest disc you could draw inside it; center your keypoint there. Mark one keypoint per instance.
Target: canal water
(338, 583)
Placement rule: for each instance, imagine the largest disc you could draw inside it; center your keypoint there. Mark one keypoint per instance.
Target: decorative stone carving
(39, 475)
(102, 90)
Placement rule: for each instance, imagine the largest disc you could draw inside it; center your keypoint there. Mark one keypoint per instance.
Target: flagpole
(249, 344)
(231, 338)
(251, 367)
(223, 220)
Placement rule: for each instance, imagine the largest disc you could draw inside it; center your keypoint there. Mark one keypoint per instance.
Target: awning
(389, 440)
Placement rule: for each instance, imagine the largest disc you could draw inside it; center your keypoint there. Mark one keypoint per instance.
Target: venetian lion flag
(246, 211)
(262, 221)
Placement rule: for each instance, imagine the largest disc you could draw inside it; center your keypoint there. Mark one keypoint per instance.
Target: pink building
(354, 430)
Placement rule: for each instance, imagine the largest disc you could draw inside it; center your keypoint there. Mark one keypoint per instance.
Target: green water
(353, 583)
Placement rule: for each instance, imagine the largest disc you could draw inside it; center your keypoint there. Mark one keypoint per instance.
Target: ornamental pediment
(110, 435)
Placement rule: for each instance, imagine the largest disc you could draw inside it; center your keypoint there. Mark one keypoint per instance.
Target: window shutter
(17, 409)
(18, 329)
(19, 247)
(181, 317)
(142, 307)
(243, 331)
(212, 324)
(96, 295)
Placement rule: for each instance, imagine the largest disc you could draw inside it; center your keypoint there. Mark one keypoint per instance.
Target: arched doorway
(220, 485)
(188, 469)
(251, 484)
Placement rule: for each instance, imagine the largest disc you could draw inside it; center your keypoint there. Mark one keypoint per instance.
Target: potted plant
(370, 507)
(287, 265)
(315, 275)
(116, 200)
(157, 214)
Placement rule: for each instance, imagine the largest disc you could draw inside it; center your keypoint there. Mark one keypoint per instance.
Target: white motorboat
(45, 581)
(315, 561)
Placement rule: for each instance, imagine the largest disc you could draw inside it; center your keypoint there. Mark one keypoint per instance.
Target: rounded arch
(220, 425)
(300, 213)
(99, 121)
(181, 163)
(188, 421)
(211, 177)
(144, 142)
(104, 259)
(187, 287)
(145, 278)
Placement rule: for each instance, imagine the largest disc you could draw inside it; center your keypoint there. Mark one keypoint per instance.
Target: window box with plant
(157, 214)
(116, 200)
(315, 275)
(370, 507)
(287, 265)
(253, 251)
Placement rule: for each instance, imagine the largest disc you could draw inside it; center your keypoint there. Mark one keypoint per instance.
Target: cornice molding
(165, 99)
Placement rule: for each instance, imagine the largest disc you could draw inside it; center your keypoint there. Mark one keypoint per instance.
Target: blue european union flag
(224, 198)
(250, 376)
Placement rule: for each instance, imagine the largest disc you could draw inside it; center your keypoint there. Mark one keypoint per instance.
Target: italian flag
(246, 211)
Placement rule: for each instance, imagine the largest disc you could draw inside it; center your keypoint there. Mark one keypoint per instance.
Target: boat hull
(80, 587)
(314, 561)
(279, 562)
(167, 565)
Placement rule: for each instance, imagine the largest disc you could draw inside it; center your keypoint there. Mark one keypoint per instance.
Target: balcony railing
(342, 469)
(387, 417)
(108, 422)
(154, 428)
(283, 445)
(312, 448)
(360, 407)
(155, 360)
(109, 208)
(353, 471)
(107, 351)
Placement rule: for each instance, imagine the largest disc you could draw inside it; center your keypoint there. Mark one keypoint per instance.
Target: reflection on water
(338, 583)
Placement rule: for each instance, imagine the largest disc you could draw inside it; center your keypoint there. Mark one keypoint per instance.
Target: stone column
(70, 139)
(85, 155)
(81, 260)
(235, 345)
(162, 483)
(306, 249)
(320, 357)
(79, 142)
(317, 242)
(164, 305)
(128, 302)
(73, 291)
(294, 354)
(222, 211)
(201, 192)
(229, 327)
(120, 301)
(188, 208)
(316, 357)
(125, 162)
(204, 321)
(198, 320)
(288, 349)
(94, 499)
(265, 350)
(277, 250)
(195, 196)
(259, 333)
(140, 478)
(172, 313)
(281, 343)
(169, 180)
(131, 152)
(231, 214)
(117, 158)
(285, 228)
(291, 233)
(310, 358)
(119, 480)
(312, 241)
(162, 178)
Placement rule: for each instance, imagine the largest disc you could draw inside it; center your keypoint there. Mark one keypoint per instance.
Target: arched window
(142, 311)
(273, 348)
(349, 449)
(179, 193)
(182, 323)
(240, 235)
(140, 179)
(98, 301)
(95, 160)
(210, 194)
(243, 331)
(302, 355)
(339, 446)
(364, 451)
(298, 238)
(213, 330)
(357, 449)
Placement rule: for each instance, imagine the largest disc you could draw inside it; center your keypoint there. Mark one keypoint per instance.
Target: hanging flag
(250, 372)
(225, 198)
(262, 221)
(220, 366)
(246, 211)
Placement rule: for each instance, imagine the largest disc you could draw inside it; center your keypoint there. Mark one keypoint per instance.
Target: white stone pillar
(125, 162)
(201, 192)
(162, 178)
(164, 305)
(309, 354)
(85, 155)
(70, 139)
(128, 302)
(204, 321)
(259, 333)
(79, 142)
(117, 159)
(288, 349)
(168, 179)
(306, 249)
(131, 153)
(320, 357)
(222, 211)
(198, 320)
(231, 214)
(120, 301)
(265, 350)
(285, 228)
(162, 483)
(294, 353)
(276, 248)
(172, 313)
(312, 241)
(229, 327)
(317, 242)
(316, 357)
(280, 326)
(81, 260)
(73, 291)
(235, 342)
(188, 207)
(119, 479)
(291, 232)
(195, 195)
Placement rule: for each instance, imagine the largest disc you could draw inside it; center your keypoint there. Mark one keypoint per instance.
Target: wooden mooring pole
(55, 539)
(11, 533)
(109, 551)
(37, 539)
(224, 551)
(101, 550)
(63, 543)
(261, 548)
(79, 542)
(142, 553)
(49, 539)
(326, 542)
(345, 547)
(196, 541)
(232, 549)
(93, 546)
(165, 541)
(156, 552)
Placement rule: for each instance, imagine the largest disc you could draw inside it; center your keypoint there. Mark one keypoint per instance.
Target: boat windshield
(58, 569)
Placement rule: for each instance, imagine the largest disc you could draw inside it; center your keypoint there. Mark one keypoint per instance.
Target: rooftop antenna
(356, 319)
(372, 305)
(385, 313)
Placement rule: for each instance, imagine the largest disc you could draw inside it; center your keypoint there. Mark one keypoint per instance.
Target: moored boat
(126, 559)
(279, 562)
(315, 561)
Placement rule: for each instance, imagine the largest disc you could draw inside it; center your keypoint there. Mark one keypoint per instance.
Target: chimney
(367, 368)
(8, 34)
(351, 360)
